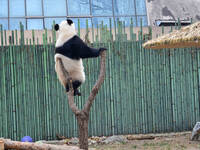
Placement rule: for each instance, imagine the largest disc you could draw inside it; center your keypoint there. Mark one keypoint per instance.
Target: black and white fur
(71, 49)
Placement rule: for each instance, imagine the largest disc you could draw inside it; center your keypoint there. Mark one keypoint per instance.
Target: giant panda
(71, 50)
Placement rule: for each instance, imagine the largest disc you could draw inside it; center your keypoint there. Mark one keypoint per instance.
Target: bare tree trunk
(83, 115)
(83, 131)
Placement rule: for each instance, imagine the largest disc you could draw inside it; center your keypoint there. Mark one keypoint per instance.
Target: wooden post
(9, 144)
(1, 145)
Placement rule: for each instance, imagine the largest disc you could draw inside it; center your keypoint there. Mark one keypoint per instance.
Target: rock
(91, 142)
(74, 141)
(40, 142)
(97, 139)
(114, 139)
(196, 131)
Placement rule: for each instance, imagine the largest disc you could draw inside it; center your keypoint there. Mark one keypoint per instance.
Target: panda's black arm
(81, 50)
(89, 52)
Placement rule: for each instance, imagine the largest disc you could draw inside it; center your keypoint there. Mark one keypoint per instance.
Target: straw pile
(188, 36)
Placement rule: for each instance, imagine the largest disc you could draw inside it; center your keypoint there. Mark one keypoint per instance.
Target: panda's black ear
(56, 27)
(69, 21)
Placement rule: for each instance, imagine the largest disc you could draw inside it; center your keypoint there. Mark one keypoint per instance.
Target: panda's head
(65, 28)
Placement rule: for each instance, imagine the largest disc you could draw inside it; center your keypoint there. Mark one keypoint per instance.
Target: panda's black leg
(67, 88)
(76, 92)
(76, 84)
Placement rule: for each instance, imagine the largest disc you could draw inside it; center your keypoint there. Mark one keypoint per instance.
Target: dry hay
(188, 36)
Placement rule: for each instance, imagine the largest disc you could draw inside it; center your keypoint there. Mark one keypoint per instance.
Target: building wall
(169, 9)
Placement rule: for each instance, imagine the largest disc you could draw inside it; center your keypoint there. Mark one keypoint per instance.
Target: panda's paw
(77, 93)
(102, 49)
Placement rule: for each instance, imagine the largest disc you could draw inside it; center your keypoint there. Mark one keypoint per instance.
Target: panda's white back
(74, 67)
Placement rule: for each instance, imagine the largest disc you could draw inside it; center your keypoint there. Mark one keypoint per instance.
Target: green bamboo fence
(144, 91)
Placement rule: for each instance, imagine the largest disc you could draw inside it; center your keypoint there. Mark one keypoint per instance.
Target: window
(49, 22)
(98, 21)
(55, 8)
(34, 7)
(102, 7)
(3, 8)
(14, 23)
(78, 8)
(17, 8)
(124, 8)
(4, 23)
(141, 7)
(82, 22)
(39, 14)
(34, 24)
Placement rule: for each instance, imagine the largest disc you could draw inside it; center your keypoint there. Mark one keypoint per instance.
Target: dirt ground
(166, 142)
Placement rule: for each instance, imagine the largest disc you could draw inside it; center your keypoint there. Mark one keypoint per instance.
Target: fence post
(110, 23)
(1, 30)
(79, 30)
